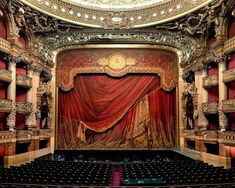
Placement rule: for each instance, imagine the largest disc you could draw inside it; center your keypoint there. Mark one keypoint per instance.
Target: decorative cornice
(229, 45)
(5, 105)
(7, 137)
(210, 107)
(228, 105)
(24, 107)
(210, 81)
(23, 81)
(229, 75)
(5, 75)
(100, 18)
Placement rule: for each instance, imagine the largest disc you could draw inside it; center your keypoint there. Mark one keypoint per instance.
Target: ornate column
(30, 120)
(11, 94)
(204, 98)
(223, 120)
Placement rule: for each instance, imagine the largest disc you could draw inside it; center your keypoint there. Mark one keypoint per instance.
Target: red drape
(111, 107)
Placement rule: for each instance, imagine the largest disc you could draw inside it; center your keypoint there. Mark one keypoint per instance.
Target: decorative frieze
(24, 135)
(229, 45)
(227, 137)
(5, 75)
(228, 105)
(210, 136)
(189, 134)
(5, 46)
(24, 107)
(5, 105)
(45, 134)
(211, 81)
(229, 75)
(24, 81)
(7, 137)
(210, 107)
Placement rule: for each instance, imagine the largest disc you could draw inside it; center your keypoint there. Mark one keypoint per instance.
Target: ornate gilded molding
(223, 119)
(45, 134)
(117, 62)
(210, 136)
(185, 45)
(7, 137)
(189, 134)
(5, 46)
(210, 107)
(100, 18)
(228, 105)
(210, 81)
(227, 137)
(5, 105)
(23, 81)
(5, 75)
(11, 119)
(229, 45)
(24, 107)
(24, 135)
(229, 75)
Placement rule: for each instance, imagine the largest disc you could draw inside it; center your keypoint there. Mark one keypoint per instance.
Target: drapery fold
(116, 112)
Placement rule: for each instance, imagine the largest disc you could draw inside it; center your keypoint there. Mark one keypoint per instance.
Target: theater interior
(117, 93)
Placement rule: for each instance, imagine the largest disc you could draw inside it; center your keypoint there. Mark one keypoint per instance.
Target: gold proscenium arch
(117, 60)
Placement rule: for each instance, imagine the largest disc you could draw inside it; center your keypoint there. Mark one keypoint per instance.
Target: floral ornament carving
(210, 107)
(30, 120)
(116, 20)
(210, 136)
(223, 119)
(24, 135)
(24, 107)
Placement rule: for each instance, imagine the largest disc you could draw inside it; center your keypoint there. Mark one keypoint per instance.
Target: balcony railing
(210, 136)
(227, 137)
(5, 75)
(189, 134)
(229, 45)
(211, 81)
(45, 134)
(5, 45)
(5, 105)
(24, 107)
(229, 75)
(210, 107)
(228, 105)
(23, 81)
(24, 135)
(7, 137)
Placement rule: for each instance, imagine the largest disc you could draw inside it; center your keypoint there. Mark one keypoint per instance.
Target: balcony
(45, 134)
(210, 136)
(5, 105)
(228, 105)
(229, 45)
(189, 134)
(24, 107)
(24, 135)
(211, 81)
(7, 137)
(5, 46)
(23, 81)
(5, 75)
(210, 107)
(229, 75)
(227, 137)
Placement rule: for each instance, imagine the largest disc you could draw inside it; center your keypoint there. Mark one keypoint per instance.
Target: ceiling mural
(117, 4)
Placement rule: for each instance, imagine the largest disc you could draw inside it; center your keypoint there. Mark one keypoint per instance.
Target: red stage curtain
(115, 107)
